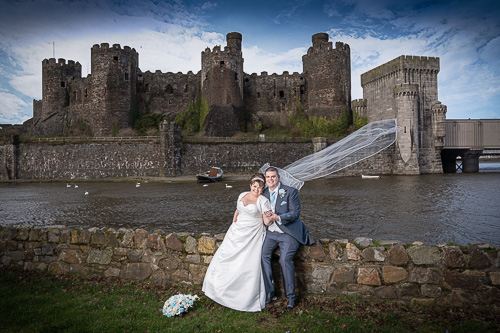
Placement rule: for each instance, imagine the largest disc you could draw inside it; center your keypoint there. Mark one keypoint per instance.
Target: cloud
(10, 110)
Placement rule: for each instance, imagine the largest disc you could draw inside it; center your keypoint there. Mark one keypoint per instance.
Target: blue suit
(287, 207)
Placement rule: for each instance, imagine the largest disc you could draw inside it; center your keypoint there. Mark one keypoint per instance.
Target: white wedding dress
(234, 277)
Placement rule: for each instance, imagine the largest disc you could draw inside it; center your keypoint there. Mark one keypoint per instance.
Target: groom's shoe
(291, 303)
(270, 297)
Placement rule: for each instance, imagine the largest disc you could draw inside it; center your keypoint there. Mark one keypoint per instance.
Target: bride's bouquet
(178, 304)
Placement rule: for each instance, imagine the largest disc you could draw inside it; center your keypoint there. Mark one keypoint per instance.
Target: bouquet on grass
(178, 304)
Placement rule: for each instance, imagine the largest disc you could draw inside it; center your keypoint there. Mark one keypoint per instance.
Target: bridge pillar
(470, 160)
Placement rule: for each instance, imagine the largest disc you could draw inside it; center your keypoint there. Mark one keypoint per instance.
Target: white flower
(282, 192)
(178, 304)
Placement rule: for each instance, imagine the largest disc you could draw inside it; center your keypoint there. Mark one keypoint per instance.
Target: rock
(193, 258)
(134, 255)
(155, 242)
(407, 290)
(322, 273)
(137, 271)
(397, 255)
(148, 256)
(424, 255)
(417, 243)
(483, 246)
(373, 254)
(384, 292)
(429, 290)
(478, 259)
(220, 237)
(173, 243)
(459, 298)
(336, 252)
(47, 250)
(71, 256)
(324, 241)
(22, 234)
(352, 251)
(495, 278)
(342, 241)
(140, 238)
(424, 275)
(317, 252)
(422, 301)
(459, 280)
(390, 242)
(363, 241)
(111, 272)
(207, 259)
(98, 238)
(80, 237)
(34, 235)
(453, 257)
(343, 274)
(197, 273)
(181, 275)
(206, 245)
(393, 274)
(102, 257)
(190, 245)
(160, 278)
(169, 263)
(369, 276)
(55, 268)
(53, 235)
(17, 255)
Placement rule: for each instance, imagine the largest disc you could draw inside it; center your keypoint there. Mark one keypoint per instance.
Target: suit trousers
(288, 246)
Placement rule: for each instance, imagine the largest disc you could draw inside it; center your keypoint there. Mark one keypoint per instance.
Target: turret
(328, 73)
(113, 86)
(222, 73)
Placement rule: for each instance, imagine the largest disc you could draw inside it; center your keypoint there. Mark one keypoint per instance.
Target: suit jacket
(287, 207)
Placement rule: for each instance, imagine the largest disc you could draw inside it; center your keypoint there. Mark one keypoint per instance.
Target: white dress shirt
(274, 226)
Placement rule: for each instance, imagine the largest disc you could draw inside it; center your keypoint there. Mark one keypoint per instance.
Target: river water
(460, 208)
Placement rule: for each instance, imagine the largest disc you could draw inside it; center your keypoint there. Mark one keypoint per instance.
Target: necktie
(273, 198)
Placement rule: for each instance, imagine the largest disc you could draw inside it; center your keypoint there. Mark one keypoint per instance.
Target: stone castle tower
(328, 74)
(406, 88)
(116, 86)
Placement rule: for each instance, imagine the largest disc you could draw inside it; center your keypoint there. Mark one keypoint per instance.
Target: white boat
(369, 177)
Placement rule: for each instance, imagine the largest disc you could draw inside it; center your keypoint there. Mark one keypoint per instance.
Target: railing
(98, 139)
(472, 133)
(258, 138)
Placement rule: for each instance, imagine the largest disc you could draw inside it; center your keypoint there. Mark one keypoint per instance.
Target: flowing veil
(365, 142)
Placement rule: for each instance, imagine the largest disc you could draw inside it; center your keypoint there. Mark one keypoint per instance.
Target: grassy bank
(35, 302)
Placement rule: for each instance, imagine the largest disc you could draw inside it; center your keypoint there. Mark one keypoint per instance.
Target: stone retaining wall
(390, 270)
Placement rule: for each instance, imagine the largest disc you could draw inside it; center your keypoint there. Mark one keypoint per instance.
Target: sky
(170, 36)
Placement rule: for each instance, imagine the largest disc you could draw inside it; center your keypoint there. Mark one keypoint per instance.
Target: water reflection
(462, 208)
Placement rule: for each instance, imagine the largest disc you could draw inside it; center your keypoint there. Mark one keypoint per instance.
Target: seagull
(229, 186)
(205, 185)
(68, 185)
(138, 185)
(76, 186)
(86, 192)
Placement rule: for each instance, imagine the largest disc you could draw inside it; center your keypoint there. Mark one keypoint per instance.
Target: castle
(117, 87)
(404, 88)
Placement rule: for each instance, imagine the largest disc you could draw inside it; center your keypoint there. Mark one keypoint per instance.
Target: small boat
(212, 175)
(369, 177)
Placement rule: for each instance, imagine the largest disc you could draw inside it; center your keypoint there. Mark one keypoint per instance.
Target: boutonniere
(282, 192)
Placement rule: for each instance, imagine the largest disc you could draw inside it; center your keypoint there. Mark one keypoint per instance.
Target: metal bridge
(469, 139)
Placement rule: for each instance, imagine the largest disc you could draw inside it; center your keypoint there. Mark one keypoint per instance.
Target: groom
(287, 231)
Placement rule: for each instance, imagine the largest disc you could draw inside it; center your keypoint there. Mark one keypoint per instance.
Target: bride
(234, 277)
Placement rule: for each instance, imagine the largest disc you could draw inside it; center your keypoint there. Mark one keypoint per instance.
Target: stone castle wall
(389, 270)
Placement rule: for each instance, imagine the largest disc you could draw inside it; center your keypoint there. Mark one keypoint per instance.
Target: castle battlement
(51, 62)
(105, 46)
(406, 90)
(169, 74)
(402, 63)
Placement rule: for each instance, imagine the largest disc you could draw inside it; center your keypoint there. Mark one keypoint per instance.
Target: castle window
(126, 76)
(169, 101)
(74, 96)
(115, 58)
(246, 80)
(282, 94)
(221, 64)
(186, 88)
(63, 84)
(169, 89)
(236, 76)
(86, 93)
(258, 94)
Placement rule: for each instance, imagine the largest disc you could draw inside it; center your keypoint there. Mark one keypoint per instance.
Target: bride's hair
(258, 177)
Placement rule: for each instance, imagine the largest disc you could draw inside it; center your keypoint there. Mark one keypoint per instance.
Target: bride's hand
(235, 217)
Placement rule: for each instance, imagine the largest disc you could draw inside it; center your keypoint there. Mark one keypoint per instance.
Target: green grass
(35, 302)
